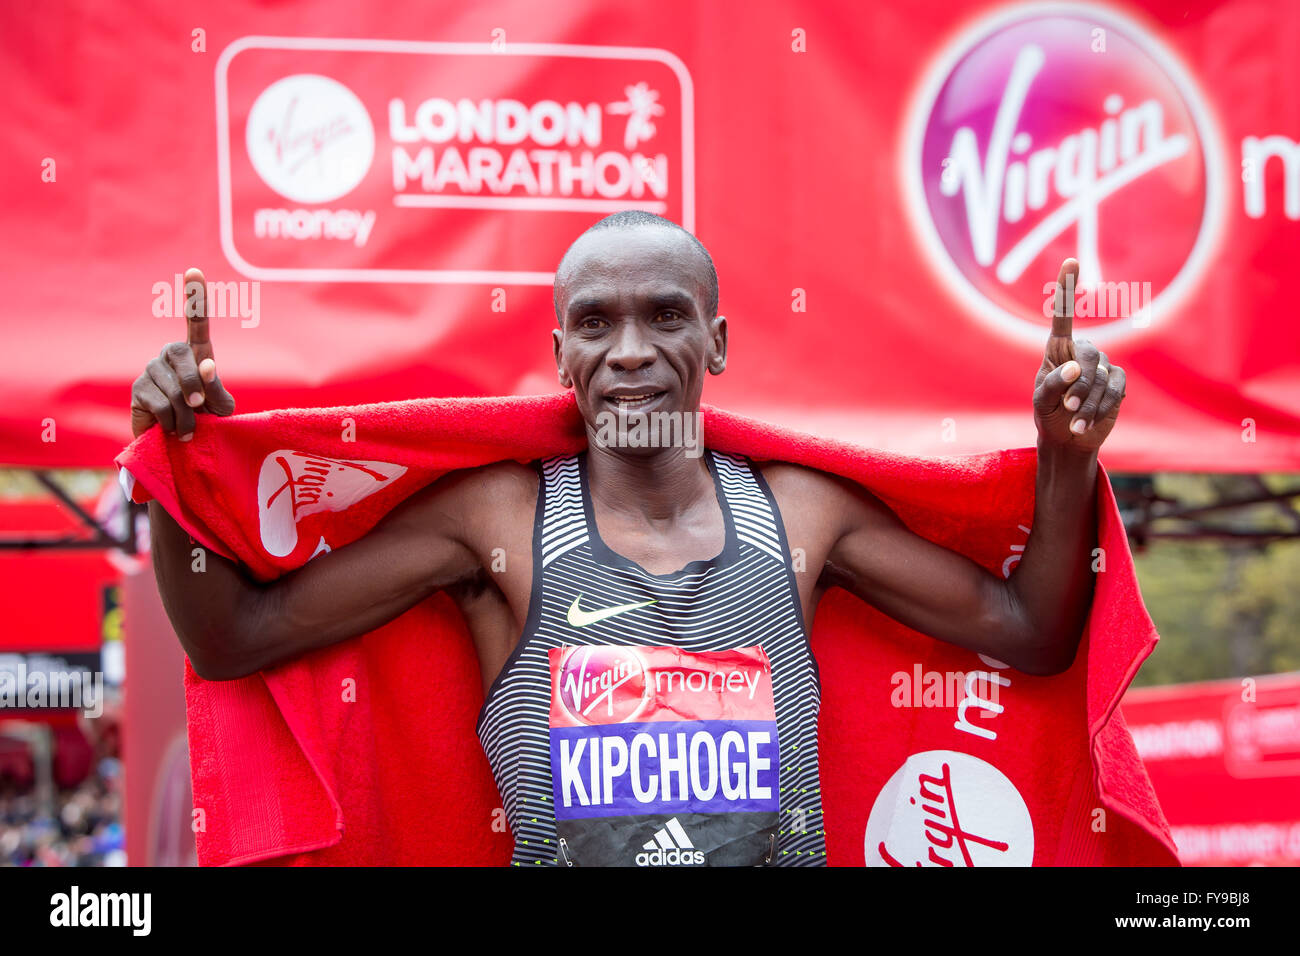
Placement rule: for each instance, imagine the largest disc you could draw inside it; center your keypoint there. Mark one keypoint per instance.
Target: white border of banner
(463, 276)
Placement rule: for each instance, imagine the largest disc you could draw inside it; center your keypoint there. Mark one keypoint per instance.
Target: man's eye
(669, 315)
(590, 322)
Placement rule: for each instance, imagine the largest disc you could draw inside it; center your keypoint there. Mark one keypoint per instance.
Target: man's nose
(631, 349)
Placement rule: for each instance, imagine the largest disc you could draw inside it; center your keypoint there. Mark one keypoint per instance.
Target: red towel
(292, 767)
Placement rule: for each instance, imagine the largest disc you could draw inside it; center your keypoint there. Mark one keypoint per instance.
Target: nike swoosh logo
(580, 618)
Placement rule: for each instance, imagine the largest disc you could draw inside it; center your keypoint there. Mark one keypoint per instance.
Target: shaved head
(637, 219)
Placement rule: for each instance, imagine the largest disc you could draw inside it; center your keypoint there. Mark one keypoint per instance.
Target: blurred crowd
(78, 820)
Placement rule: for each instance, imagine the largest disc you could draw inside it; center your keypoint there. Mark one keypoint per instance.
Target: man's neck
(658, 486)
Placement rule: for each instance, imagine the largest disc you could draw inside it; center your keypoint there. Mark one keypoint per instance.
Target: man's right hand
(182, 380)
(232, 625)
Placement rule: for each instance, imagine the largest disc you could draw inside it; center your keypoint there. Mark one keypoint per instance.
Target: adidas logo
(670, 847)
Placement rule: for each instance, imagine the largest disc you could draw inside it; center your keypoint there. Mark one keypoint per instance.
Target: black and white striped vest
(744, 597)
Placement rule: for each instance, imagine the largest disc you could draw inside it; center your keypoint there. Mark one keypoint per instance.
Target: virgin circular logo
(603, 685)
(310, 138)
(1054, 130)
(946, 808)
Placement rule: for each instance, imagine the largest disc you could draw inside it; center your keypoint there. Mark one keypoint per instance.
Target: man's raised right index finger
(196, 309)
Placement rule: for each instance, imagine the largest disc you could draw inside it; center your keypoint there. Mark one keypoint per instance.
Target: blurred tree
(1223, 608)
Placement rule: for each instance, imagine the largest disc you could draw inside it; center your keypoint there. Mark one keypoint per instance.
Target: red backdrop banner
(383, 192)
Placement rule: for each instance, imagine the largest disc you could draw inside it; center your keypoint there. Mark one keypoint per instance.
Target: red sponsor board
(1224, 758)
(382, 204)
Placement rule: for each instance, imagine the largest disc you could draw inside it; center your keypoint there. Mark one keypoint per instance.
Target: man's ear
(717, 361)
(557, 340)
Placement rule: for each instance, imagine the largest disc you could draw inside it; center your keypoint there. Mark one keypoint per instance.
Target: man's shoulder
(811, 490)
(497, 479)
(504, 488)
(794, 478)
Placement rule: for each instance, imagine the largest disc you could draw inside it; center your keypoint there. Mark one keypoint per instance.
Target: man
(686, 558)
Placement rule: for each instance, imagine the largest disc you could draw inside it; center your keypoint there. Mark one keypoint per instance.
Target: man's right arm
(232, 625)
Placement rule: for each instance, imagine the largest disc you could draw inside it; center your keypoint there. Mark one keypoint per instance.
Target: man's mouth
(631, 400)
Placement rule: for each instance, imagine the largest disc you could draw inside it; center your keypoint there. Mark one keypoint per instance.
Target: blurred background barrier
(1224, 757)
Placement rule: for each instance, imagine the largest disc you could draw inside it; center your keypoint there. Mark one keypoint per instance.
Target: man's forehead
(617, 261)
(593, 290)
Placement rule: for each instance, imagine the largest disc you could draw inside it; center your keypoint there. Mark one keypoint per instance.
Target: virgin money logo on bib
(946, 808)
(1047, 132)
(602, 685)
(663, 757)
(292, 485)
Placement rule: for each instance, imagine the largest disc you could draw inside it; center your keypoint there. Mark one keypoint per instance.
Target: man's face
(635, 335)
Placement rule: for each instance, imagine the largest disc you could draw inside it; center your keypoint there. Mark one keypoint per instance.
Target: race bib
(663, 757)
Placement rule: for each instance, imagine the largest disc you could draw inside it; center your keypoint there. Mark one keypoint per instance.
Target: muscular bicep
(925, 586)
(232, 625)
(413, 552)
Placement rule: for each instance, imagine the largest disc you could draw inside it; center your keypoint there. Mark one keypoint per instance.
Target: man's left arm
(1034, 619)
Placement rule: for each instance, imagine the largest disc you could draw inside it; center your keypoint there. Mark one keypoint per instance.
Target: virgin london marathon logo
(345, 176)
(945, 808)
(294, 484)
(1061, 129)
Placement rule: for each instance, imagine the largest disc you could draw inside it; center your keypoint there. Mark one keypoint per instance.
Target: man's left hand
(1077, 392)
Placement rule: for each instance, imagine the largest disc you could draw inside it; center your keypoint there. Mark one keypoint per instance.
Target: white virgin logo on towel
(945, 808)
(295, 484)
